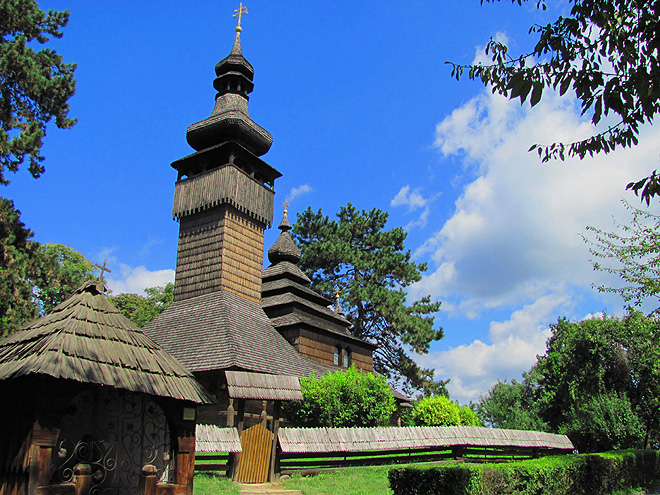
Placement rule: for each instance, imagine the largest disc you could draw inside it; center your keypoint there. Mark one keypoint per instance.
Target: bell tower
(224, 193)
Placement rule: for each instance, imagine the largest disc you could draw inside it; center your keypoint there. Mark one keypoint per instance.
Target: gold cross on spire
(240, 12)
(286, 205)
(102, 269)
(337, 292)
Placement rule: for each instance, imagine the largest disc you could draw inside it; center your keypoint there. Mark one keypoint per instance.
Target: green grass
(370, 480)
(210, 484)
(348, 481)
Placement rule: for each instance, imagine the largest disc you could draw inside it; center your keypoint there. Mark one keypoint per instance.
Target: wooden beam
(274, 472)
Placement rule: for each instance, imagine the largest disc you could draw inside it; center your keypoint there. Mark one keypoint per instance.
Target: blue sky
(362, 109)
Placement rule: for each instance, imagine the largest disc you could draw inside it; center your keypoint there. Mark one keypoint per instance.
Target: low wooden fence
(302, 449)
(295, 462)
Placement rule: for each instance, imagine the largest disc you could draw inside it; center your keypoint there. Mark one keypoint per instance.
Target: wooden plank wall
(321, 349)
(219, 248)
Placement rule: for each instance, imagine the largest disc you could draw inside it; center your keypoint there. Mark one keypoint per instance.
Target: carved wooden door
(116, 433)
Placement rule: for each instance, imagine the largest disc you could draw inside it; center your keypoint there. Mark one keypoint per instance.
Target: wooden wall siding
(303, 440)
(323, 352)
(224, 185)
(254, 461)
(219, 248)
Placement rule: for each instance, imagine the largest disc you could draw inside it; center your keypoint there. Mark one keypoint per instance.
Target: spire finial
(240, 12)
(102, 269)
(338, 309)
(286, 205)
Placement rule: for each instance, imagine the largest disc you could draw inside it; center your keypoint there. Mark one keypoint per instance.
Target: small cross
(102, 269)
(240, 12)
(337, 292)
(286, 205)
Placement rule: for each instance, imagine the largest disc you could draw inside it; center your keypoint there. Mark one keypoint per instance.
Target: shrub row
(597, 474)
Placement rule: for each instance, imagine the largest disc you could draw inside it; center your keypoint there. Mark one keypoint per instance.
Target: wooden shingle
(86, 339)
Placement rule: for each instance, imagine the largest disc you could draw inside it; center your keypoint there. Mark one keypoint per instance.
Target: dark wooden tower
(224, 200)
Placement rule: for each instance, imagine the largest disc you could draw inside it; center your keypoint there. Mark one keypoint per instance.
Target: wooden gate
(254, 461)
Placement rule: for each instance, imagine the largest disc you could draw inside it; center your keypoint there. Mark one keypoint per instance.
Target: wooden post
(147, 485)
(40, 453)
(241, 423)
(83, 473)
(230, 413)
(274, 472)
(185, 461)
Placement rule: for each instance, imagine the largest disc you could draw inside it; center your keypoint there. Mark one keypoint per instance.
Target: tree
(18, 254)
(595, 367)
(371, 270)
(34, 278)
(342, 399)
(598, 382)
(436, 411)
(142, 309)
(632, 253)
(606, 52)
(510, 406)
(35, 86)
(469, 417)
(62, 270)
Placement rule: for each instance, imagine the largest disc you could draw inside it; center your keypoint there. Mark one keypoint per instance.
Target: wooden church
(228, 314)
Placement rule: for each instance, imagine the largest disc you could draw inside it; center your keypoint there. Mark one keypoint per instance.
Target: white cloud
(474, 368)
(151, 243)
(298, 191)
(414, 200)
(136, 279)
(513, 240)
(517, 223)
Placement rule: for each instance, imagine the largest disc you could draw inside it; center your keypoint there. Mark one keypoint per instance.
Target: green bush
(437, 410)
(342, 399)
(605, 422)
(469, 417)
(599, 474)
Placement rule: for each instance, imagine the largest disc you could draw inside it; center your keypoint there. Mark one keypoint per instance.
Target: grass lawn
(347, 481)
(209, 484)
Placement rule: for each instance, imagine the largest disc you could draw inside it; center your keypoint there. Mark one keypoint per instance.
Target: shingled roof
(86, 339)
(222, 330)
(287, 298)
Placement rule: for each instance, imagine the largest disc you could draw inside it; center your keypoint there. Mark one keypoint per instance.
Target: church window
(347, 358)
(337, 355)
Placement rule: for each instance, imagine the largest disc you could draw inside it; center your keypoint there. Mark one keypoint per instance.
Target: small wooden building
(91, 405)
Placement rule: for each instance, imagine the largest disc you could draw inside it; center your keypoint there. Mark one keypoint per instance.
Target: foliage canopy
(606, 52)
(436, 410)
(371, 269)
(632, 253)
(342, 399)
(142, 309)
(598, 382)
(511, 406)
(35, 86)
(34, 278)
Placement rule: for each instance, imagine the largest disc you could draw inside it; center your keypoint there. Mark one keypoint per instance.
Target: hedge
(596, 474)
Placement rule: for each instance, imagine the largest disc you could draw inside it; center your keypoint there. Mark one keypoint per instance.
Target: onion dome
(284, 248)
(230, 119)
